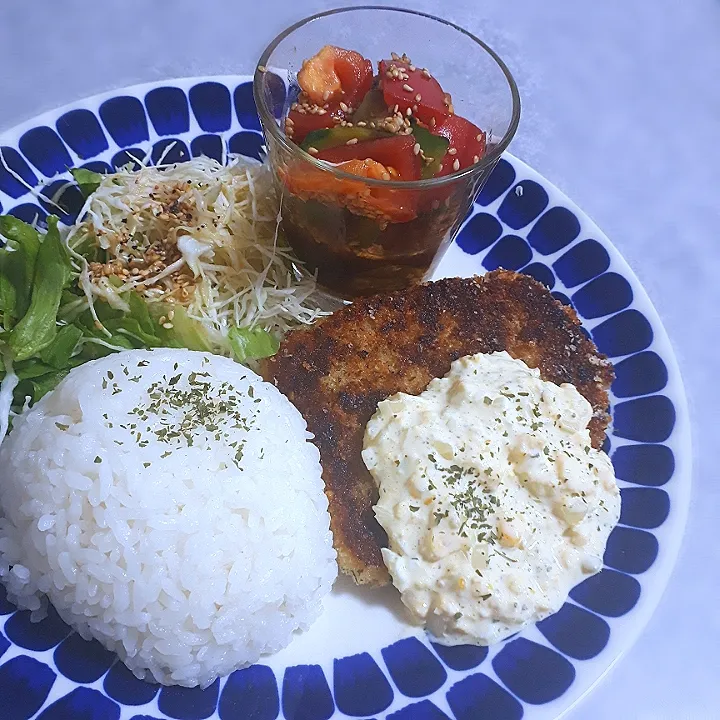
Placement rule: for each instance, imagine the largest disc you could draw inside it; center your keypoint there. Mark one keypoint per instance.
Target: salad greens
(47, 327)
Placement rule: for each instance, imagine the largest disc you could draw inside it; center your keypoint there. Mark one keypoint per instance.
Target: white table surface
(621, 110)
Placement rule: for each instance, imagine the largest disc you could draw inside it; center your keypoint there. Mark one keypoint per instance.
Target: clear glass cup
(354, 249)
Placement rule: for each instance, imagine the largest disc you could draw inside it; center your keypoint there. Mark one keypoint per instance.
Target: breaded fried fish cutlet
(337, 371)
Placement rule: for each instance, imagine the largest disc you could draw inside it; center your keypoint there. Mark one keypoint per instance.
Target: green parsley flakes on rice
(169, 504)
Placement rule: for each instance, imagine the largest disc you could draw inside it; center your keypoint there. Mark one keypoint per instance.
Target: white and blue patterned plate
(360, 659)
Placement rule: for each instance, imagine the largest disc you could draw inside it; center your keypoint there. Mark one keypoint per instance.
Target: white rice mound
(169, 504)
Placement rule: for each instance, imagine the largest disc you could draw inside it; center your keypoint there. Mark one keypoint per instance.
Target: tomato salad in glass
(376, 170)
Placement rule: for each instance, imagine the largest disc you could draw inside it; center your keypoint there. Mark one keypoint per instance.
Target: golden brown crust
(337, 371)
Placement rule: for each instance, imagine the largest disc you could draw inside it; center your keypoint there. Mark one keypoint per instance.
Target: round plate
(360, 659)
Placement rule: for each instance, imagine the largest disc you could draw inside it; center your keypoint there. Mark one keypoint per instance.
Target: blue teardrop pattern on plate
(630, 551)
(649, 419)
(606, 294)
(306, 694)
(520, 207)
(563, 298)
(461, 657)
(98, 166)
(81, 704)
(11, 159)
(576, 632)
(124, 118)
(640, 374)
(424, 710)
(129, 156)
(501, 178)
(83, 661)
(542, 273)
(145, 717)
(4, 644)
(37, 636)
(650, 465)
(534, 673)
(249, 144)
(67, 197)
(169, 150)
(360, 686)
(211, 105)
(480, 232)
(30, 213)
(183, 703)
(43, 147)
(208, 145)
(510, 252)
(81, 130)
(477, 697)
(557, 228)
(121, 685)
(582, 262)
(6, 607)
(251, 694)
(278, 93)
(609, 593)
(646, 508)
(245, 107)
(24, 685)
(168, 110)
(414, 669)
(623, 334)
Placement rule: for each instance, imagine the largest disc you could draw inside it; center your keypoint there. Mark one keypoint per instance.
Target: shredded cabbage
(197, 234)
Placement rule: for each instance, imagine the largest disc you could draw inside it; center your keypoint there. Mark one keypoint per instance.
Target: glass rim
(269, 122)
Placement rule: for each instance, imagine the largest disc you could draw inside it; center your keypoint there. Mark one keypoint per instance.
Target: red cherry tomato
(392, 152)
(302, 123)
(335, 74)
(432, 105)
(466, 140)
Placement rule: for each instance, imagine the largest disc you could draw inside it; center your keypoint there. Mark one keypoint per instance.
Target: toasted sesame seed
(412, 68)
(394, 56)
(440, 168)
(163, 320)
(407, 88)
(171, 315)
(476, 159)
(416, 148)
(326, 95)
(456, 164)
(289, 121)
(432, 121)
(322, 111)
(294, 106)
(452, 151)
(418, 97)
(168, 326)
(343, 107)
(396, 108)
(426, 73)
(362, 123)
(313, 150)
(352, 141)
(262, 68)
(479, 137)
(386, 175)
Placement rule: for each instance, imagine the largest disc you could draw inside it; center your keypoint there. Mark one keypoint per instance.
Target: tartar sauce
(493, 499)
